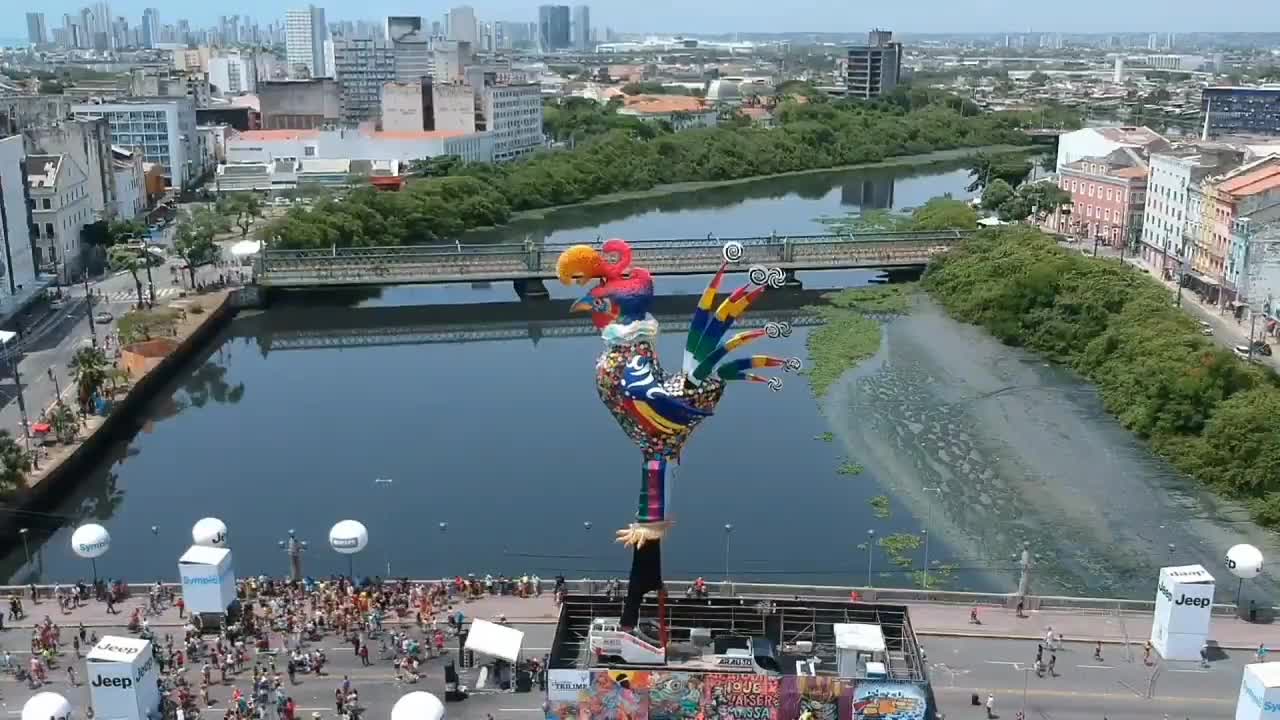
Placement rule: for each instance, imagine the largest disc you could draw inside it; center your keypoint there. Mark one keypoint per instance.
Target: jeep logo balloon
(210, 532)
(90, 541)
(1244, 561)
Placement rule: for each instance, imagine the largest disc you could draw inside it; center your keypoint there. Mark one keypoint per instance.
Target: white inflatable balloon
(415, 706)
(348, 537)
(1244, 561)
(46, 706)
(209, 531)
(90, 541)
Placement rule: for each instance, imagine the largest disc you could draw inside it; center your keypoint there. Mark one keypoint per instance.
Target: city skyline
(926, 16)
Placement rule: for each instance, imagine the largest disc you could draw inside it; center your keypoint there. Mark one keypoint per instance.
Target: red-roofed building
(681, 111)
(1250, 194)
(1108, 194)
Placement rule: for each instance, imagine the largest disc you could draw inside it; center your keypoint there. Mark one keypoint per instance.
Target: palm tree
(89, 369)
(15, 463)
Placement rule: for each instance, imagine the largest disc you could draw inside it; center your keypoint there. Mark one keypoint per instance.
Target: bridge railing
(534, 259)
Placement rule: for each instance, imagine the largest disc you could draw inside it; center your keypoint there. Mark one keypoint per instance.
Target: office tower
(581, 27)
(37, 33)
(462, 25)
(874, 68)
(412, 47)
(150, 27)
(361, 68)
(305, 35)
(553, 27)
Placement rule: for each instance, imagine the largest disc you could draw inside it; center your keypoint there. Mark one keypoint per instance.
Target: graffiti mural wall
(882, 700)
(632, 695)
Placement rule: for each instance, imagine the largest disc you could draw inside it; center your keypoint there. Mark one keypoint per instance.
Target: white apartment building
(1102, 141)
(130, 182)
(513, 115)
(264, 146)
(1167, 210)
(232, 75)
(19, 269)
(453, 107)
(164, 129)
(60, 207)
(305, 33)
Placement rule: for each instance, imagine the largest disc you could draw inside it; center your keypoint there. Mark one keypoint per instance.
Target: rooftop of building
(662, 104)
(42, 171)
(276, 135)
(1130, 135)
(782, 633)
(1254, 178)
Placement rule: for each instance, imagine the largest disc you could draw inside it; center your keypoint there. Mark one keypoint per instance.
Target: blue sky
(735, 15)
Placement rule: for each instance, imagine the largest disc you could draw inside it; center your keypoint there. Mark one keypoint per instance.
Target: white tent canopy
(495, 640)
(246, 247)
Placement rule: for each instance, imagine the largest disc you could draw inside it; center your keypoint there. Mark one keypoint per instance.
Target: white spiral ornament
(777, 330)
(761, 275)
(775, 384)
(793, 364)
(732, 251)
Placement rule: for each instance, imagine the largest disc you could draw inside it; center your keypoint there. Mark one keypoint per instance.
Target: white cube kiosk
(122, 679)
(1184, 604)
(1259, 692)
(208, 582)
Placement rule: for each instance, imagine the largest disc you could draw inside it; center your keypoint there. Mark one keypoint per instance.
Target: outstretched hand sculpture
(659, 411)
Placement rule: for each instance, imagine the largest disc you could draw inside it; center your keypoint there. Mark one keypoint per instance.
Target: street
(49, 344)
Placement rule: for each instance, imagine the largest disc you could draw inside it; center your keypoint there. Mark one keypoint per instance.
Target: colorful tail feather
(737, 369)
(709, 363)
(701, 317)
(730, 310)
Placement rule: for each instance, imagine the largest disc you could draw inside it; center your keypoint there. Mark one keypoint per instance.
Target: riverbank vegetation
(1210, 414)
(627, 158)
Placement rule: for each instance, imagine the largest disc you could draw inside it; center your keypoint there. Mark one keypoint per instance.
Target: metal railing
(537, 261)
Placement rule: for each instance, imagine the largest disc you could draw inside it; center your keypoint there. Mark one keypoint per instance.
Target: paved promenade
(929, 619)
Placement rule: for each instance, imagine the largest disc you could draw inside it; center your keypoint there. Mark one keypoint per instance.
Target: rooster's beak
(579, 265)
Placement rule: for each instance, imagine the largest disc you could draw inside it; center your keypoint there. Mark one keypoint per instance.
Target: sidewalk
(928, 619)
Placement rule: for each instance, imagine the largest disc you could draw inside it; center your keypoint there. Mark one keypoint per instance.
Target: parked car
(1205, 328)
(103, 317)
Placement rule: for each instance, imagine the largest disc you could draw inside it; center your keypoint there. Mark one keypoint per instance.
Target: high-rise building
(1240, 110)
(462, 25)
(513, 114)
(553, 27)
(15, 219)
(165, 130)
(581, 27)
(37, 32)
(412, 47)
(361, 68)
(102, 25)
(305, 35)
(232, 74)
(150, 27)
(874, 68)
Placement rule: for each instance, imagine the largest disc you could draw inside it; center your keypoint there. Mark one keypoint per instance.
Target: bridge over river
(346, 327)
(528, 264)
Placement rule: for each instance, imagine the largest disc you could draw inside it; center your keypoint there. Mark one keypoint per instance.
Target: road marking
(1016, 666)
(1190, 671)
(1096, 667)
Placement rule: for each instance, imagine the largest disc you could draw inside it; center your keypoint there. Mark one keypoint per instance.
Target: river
(463, 428)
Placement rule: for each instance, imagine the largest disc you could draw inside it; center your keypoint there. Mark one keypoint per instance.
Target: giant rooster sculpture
(659, 411)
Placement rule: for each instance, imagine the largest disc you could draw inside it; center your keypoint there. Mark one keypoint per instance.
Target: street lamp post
(57, 390)
(294, 547)
(871, 534)
(728, 530)
(88, 298)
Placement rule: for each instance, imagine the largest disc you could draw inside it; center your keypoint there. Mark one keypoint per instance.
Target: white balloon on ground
(1244, 561)
(417, 706)
(90, 541)
(348, 537)
(209, 531)
(46, 706)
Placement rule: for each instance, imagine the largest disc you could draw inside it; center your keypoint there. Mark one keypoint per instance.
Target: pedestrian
(991, 706)
(1048, 637)
(1262, 652)
(1018, 610)
(181, 608)
(1204, 655)
(339, 699)
(1053, 662)
(364, 655)
(71, 675)
(1097, 651)
(1146, 653)
(1039, 652)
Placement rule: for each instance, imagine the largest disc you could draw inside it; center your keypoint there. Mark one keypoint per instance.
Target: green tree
(996, 194)
(119, 231)
(66, 426)
(985, 169)
(243, 209)
(193, 241)
(122, 257)
(1038, 78)
(89, 369)
(944, 214)
(15, 463)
